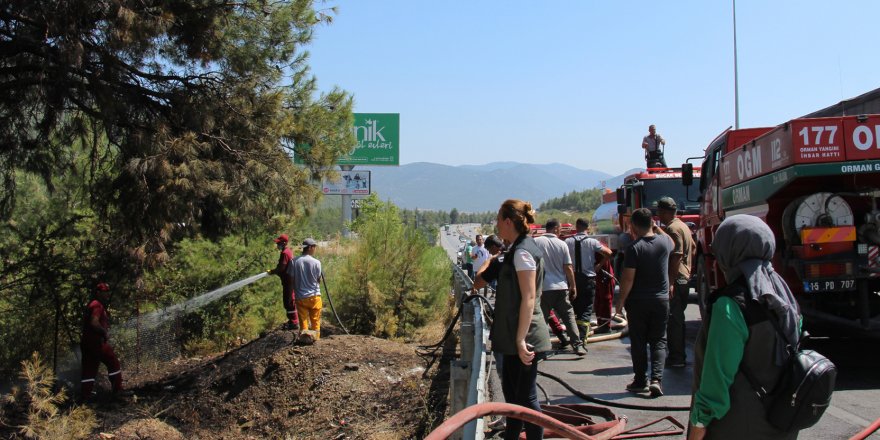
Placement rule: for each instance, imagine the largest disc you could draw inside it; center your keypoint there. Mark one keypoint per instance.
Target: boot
(563, 340)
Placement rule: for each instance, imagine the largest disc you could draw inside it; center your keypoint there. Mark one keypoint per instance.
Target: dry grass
(44, 417)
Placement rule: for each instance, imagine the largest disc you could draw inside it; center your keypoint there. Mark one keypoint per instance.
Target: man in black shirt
(644, 291)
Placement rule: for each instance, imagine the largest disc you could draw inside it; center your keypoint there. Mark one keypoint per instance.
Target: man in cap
(306, 271)
(284, 260)
(95, 345)
(679, 279)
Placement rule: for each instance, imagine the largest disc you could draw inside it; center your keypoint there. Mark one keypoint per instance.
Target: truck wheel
(702, 285)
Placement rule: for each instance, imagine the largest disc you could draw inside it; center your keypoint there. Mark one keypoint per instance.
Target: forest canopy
(129, 128)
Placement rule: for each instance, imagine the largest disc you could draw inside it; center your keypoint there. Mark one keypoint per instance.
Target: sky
(578, 82)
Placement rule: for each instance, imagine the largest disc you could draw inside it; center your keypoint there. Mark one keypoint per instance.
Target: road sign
(349, 183)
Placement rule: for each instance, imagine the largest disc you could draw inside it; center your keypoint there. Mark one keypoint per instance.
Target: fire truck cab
(816, 183)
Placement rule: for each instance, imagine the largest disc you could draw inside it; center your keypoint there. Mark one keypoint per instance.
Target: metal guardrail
(469, 375)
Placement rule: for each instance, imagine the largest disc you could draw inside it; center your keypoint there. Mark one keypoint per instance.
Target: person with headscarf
(519, 331)
(738, 337)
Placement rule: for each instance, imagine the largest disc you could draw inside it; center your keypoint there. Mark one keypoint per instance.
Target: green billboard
(378, 140)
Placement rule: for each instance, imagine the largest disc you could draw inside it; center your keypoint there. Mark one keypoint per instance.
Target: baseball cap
(309, 242)
(282, 239)
(102, 287)
(666, 203)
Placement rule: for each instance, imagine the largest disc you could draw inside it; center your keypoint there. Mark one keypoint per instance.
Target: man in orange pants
(306, 271)
(94, 344)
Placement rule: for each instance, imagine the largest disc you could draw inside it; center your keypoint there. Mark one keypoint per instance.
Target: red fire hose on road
(457, 421)
(867, 431)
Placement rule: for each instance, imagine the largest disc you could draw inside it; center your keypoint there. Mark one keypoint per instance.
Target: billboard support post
(346, 207)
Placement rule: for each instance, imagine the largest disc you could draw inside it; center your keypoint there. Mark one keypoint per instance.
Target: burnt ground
(342, 387)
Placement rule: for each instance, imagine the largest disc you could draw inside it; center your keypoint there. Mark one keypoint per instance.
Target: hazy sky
(578, 82)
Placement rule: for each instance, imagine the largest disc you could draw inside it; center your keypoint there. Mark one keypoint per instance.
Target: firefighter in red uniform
(605, 283)
(286, 281)
(95, 346)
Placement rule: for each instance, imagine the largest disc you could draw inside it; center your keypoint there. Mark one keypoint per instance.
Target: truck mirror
(620, 195)
(687, 174)
(621, 208)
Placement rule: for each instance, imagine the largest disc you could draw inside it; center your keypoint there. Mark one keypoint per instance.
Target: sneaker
(579, 350)
(637, 387)
(655, 389)
(498, 424)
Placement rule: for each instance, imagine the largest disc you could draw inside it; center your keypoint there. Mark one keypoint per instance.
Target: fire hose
(330, 300)
(590, 398)
(867, 431)
(457, 421)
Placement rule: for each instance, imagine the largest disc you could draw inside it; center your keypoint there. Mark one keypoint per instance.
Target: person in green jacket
(519, 331)
(724, 404)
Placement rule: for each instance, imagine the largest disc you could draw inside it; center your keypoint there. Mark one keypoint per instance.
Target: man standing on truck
(644, 291)
(584, 250)
(679, 277)
(653, 151)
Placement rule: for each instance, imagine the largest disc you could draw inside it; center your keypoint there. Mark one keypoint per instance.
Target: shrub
(45, 420)
(394, 282)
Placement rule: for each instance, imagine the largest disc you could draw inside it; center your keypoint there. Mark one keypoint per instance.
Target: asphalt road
(452, 239)
(607, 368)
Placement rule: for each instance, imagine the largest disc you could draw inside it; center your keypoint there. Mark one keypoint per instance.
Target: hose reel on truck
(822, 209)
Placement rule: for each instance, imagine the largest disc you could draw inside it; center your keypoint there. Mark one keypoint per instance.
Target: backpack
(579, 275)
(803, 390)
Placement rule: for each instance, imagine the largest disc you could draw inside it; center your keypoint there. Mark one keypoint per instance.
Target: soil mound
(145, 429)
(342, 387)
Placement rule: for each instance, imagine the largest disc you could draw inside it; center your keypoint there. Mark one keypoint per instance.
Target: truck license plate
(829, 285)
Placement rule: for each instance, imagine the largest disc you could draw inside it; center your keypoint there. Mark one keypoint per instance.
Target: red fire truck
(816, 183)
(642, 190)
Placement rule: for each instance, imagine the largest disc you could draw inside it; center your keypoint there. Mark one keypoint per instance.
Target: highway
(607, 368)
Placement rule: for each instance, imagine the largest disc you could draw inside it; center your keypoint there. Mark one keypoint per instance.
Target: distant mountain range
(480, 188)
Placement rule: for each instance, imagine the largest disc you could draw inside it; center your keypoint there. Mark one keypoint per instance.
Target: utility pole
(735, 70)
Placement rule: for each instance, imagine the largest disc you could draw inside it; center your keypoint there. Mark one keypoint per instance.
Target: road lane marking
(847, 416)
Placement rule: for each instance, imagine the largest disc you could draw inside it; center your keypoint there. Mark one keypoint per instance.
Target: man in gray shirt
(306, 273)
(584, 250)
(559, 282)
(652, 144)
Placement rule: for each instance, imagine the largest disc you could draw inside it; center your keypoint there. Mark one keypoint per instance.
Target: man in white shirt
(479, 254)
(584, 249)
(559, 283)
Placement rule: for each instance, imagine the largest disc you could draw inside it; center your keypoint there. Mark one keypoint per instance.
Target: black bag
(803, 391)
